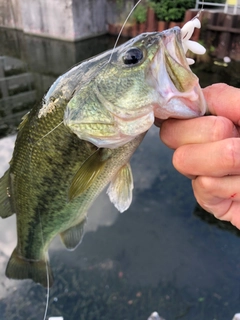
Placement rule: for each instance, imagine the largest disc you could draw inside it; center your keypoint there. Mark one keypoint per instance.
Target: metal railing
(229, 4)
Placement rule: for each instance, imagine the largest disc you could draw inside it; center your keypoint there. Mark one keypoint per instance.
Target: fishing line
(47, 274)
(199, 13)
(49, 132)
(33, 146)
(120, 32)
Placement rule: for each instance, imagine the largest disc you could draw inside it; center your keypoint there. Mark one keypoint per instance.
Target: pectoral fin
(73, 236)
(88, 173)
(5, 196)
(120, 189)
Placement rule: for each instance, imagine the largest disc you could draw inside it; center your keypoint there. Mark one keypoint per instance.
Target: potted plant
(171, 11)
(140, 15)
(151, 19)
(161, 13)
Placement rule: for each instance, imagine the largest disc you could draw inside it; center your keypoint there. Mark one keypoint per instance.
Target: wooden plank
(223, 29)
(234, 52)
(225, 37)
(210, 36)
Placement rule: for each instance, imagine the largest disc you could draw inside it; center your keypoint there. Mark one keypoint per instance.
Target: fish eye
(133, 56)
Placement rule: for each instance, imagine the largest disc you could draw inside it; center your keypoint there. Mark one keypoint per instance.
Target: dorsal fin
(5, 196)
(24, 121)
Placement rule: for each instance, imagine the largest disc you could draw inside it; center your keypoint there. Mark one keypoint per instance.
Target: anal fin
(21, 268)
(120, 188)
(5, 196)
(73, 236)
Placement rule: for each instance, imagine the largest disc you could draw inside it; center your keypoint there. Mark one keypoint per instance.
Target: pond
(164, 254)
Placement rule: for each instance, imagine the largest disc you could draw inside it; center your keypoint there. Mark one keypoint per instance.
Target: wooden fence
(221, 32)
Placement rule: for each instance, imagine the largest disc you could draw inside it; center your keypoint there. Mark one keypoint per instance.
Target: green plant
(140, 13)
(171, 10)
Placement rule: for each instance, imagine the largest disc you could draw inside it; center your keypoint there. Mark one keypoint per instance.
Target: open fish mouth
(147, 77)
(179, 94)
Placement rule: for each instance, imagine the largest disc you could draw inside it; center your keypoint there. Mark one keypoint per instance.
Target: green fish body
(81, 138)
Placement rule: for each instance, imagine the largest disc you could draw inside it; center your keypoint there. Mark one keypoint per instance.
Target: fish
(81, 137)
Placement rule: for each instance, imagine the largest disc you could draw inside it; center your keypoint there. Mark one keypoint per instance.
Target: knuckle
(205, 206)
(203, 189)
(222, 128)
(205, 183)
(178, 159)
(231, 154)
(220, 86)
(166, 134)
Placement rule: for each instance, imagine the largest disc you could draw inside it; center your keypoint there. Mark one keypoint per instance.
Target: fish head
(126, 88)
(176, 88)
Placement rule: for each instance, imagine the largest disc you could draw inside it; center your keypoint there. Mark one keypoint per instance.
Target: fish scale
(48, 211)
(81, 138)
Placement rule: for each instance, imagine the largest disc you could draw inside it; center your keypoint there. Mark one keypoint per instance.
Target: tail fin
(38, 270)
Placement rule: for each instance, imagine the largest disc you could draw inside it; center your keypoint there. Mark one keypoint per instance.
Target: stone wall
(62, 19)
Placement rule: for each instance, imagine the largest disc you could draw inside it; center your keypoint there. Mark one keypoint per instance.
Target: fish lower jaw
(180, 105)
(180, 108)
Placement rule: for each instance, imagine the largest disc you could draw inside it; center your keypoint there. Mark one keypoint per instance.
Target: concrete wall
(62, 19)
(10, 14)
(89, 18)
(50, 18)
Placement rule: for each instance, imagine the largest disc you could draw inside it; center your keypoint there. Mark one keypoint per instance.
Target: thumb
(223, 100)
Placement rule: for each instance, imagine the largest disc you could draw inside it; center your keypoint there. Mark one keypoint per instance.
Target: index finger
(215, 159)
(223, 100)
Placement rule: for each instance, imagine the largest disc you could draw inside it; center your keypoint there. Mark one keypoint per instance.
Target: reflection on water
(156, 256)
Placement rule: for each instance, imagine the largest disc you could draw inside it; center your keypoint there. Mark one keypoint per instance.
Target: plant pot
(127, 30)
(162, 25)
(118, 28)
(142, 27)
(173, 24)
(134, 30)
(114, 29)
(189, 14)
(151, 20)
(111, 29)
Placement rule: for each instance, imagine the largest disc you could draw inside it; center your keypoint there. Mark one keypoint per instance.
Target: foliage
(140, 13)
(171, 10)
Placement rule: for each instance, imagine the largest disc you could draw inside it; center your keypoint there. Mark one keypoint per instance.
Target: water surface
(159, 255)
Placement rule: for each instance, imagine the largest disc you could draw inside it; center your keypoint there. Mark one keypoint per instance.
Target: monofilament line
(120, 32)
(47, 277)
(49, 132)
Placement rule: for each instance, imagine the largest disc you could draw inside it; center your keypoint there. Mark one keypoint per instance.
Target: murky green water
(158, 255)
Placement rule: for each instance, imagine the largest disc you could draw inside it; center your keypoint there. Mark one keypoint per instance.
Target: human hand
(208, 152)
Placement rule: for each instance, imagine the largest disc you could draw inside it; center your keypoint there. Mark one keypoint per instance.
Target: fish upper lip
(179, 94)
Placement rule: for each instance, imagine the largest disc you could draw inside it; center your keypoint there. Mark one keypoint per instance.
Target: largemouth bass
(81, 138)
